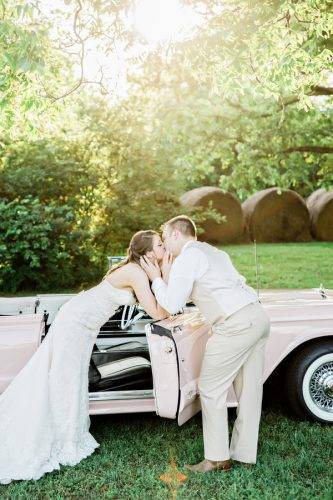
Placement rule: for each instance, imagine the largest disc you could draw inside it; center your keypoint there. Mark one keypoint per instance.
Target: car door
(20, 336)
(176, 351)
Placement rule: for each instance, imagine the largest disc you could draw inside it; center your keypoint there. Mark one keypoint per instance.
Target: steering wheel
(126, 317)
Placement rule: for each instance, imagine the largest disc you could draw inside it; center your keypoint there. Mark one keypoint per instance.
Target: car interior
(120, 357)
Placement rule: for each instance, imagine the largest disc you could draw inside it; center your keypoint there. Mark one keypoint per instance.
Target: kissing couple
(42, 426)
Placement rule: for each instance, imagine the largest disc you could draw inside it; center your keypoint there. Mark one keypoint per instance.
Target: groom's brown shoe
(244, 464)
(210, 465)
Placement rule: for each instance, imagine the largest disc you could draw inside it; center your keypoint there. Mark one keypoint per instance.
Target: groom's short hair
(183, 223)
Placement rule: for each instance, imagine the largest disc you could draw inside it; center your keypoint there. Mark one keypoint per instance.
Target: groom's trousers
(234, 355)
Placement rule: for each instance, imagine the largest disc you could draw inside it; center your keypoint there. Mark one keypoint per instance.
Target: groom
(234, 353)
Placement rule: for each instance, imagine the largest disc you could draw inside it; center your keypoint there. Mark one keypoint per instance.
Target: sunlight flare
(162, 20)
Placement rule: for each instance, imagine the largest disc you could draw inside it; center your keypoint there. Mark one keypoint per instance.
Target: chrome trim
(322, 292)
(121, 395)
(102, 342)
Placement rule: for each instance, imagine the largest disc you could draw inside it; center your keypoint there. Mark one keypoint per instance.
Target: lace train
(44, 417)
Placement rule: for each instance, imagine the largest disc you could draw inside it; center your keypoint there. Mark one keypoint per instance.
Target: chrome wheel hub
(321, 387)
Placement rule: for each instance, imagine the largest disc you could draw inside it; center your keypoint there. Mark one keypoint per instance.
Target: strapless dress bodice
(93, 307)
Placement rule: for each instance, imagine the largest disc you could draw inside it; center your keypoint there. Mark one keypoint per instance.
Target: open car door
(176, 349)
(20, 336)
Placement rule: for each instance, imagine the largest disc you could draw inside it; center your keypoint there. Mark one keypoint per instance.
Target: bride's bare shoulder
(127, 275)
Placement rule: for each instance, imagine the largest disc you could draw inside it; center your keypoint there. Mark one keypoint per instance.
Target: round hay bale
(273, 217)
(230, 231)
(314, 197)
(320, 205)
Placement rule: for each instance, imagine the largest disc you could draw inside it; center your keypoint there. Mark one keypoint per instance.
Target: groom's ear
(175, 233)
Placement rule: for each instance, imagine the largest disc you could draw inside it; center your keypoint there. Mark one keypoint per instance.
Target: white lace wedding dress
(44, 419)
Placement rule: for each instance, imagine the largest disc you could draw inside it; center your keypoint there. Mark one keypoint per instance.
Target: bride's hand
(152, 269)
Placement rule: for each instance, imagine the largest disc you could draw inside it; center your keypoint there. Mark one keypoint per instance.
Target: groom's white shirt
(207, 274)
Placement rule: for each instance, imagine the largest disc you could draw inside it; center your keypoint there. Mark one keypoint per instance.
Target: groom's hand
(166, 265)
(152, 269)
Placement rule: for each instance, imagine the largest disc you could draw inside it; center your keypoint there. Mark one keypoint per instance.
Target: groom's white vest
(221, 290)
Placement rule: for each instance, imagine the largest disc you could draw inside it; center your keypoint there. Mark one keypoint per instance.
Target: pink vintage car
(142, 366)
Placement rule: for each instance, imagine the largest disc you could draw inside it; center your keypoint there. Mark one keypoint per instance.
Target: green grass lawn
(294, 457)
(294, 462)
(285, 265)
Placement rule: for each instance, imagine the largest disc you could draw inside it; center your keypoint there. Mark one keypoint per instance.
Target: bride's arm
(140, 283)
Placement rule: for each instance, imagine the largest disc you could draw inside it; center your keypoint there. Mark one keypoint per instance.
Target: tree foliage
(247, 103)
(244, 103)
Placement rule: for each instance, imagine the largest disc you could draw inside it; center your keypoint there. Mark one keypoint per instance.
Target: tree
(246, 103)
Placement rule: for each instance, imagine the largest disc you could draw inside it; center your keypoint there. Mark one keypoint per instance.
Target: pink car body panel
(293, 325)
(297, 316)
(20, 336)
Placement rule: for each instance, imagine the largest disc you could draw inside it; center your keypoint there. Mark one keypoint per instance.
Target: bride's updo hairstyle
(141, 243)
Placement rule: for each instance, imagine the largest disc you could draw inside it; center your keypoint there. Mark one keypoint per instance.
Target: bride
(44, 419)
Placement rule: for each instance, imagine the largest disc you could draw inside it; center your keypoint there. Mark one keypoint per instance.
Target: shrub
(42, 247)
